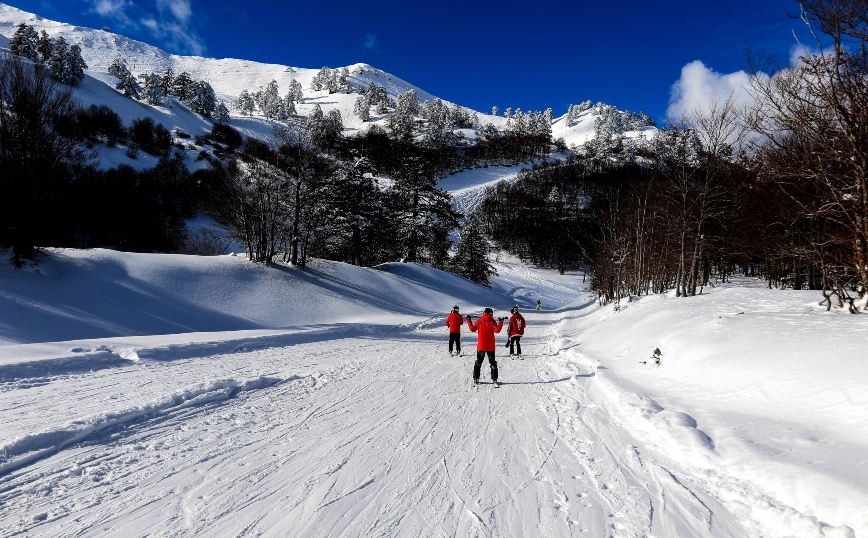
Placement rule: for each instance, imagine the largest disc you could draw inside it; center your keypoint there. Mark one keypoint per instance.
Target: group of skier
(485, 327)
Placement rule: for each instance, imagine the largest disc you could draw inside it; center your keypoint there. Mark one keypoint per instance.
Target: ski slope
(239, 400)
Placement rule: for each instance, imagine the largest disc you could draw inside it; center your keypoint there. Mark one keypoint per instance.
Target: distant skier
(454, 321)
(515, 331)
(485, 327)
(538, 305)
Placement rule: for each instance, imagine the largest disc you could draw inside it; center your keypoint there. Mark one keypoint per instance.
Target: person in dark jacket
(485, 328)
(454, 321)
(515, 331)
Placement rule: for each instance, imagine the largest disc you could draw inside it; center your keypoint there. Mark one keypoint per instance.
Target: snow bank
(775, 391)
(100, 293)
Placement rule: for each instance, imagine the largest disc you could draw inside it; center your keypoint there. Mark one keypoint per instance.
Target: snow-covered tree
(295, 91)
(494, 111)
(362, 109)
(439, 130)
(221, 114)
(167, 81)
(152, 91)
(402, 120)
(371, 93)
(245, 103)
(203, 100)
(325, 79)
(66, 64)
(507, 113)
(269, 102)
(25, 42)
(127, 83)
(343, 77)
(45, 47)
(183, 87)
(288, 106)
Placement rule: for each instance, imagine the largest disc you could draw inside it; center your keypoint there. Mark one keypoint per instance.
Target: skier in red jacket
(515, 332)
(485, 327)
(454, 321)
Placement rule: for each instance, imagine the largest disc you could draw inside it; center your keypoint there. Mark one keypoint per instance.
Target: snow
(167, 394)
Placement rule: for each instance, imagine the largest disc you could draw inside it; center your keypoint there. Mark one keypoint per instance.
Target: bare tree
(814, 119)
(37, 154)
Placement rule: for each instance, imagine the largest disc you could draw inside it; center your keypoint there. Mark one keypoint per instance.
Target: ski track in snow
(355, 437)
(369, 432)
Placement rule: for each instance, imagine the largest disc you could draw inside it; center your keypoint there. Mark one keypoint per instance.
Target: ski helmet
(455, 308)
(489, 311)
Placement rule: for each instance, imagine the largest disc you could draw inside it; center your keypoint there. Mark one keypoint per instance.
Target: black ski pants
(480, 356)
(515, 344)
(456, 338)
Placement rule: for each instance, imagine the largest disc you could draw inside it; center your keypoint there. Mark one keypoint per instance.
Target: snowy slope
(370, 428)
(583, 130)
(101, 293)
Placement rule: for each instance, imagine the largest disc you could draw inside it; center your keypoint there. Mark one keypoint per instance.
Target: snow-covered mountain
(228, 77)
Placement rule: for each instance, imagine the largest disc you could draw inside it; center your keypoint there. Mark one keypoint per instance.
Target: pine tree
(25, 42)
(439, 131)
(245, 103)
(203, 100)
(152, 91)
(471, 255)
(45, 47)
(183, 87)
(288, 106)
(269, 101)
(325, 79)
(66, 63)
(221, 114)
(127, 83)
(372, 94)
(362, 109)
(494, 111)
(423, 213)
(295, 91)
(401, 122)
(167, 81)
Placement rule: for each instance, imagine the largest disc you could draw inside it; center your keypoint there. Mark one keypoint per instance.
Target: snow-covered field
(168, 395)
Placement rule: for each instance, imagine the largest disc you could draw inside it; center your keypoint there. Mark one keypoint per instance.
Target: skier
(538, 305)
(486, 327)
(454, 322)
(515, 332)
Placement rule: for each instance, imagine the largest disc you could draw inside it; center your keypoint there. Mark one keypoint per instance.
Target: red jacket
(486, 326)
(454, 322)
(516, 325)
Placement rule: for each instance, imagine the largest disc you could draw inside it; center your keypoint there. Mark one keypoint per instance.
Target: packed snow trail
(365, 436)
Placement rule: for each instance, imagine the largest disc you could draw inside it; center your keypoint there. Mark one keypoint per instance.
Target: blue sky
(512, 53)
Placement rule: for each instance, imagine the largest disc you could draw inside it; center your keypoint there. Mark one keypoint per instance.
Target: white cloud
(699, 87)
(171, 23)
(176, 36)
(115, 9)
(180, 9)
